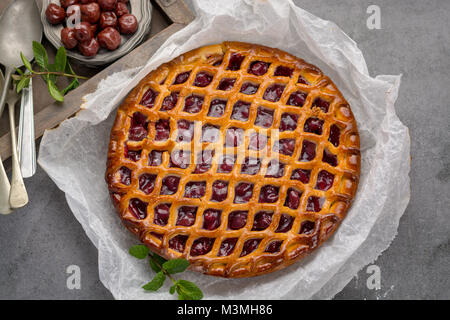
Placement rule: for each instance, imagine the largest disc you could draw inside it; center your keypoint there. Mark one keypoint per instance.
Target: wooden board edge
(177, 10)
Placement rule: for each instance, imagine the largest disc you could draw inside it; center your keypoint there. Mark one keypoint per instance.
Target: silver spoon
(18, 196)
(5, 187)
(20, 25)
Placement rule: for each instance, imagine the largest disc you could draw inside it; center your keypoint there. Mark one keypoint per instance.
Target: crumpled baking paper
(74, 155)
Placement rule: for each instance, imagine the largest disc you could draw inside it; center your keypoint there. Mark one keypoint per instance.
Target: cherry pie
(238, 157)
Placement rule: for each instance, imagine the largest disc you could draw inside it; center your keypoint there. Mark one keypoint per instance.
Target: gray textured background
(38, 242)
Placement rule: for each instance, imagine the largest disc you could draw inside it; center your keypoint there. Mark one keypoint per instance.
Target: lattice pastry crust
(238, 157)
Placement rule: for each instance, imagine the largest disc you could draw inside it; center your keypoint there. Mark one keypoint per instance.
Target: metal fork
(18, 196)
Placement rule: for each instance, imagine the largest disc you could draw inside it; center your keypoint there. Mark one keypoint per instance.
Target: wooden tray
(168, 17)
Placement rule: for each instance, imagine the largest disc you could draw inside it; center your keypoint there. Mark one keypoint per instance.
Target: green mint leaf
(19, 71)
(176, 265)
(172, 289)
(69, 69)
(139, 251)
(156, 283)
(188, 290)
(61, 59)
(23, 83)
(54, 91)
(156, 261)
(74, 84)
(40, 55)
(26, 62)
(52, 77)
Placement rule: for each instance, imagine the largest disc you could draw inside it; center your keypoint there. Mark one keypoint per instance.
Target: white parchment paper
(74, 155)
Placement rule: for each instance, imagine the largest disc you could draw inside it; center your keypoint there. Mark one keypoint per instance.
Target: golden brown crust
(337, 199)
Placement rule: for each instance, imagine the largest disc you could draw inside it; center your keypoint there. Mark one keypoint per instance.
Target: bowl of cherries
(96, 32)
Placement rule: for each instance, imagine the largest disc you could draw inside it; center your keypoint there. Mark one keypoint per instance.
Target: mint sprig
(48, 72)
(186, 290)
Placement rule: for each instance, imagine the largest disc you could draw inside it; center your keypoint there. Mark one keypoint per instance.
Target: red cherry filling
(308, 152)
(307, 227)
(155, 158)
(262, 220)
(335, 133)
(210, 133)
(169, 185)
(134, 155)
(235, 61)
(138, 127)
(162, 129)
(149, 98)
(329, 158)
(180, 159)
(138, 208)
(219, 191)
(269, 194)
(301, 175)
(178, 243)
(257, 141)
(275, 169)
(193, 104)
(250, 246)
(297, 99)
(211, 219)
(195, 189)
(249, 88)
(302, 80)
(243, 192)
(125, 176)
(186, 216)
(185, 130)
(285, 146)
(227, 247)
(234, 137)
(226, 84)
(251, 166)
(170, 101)
(217, 63)
(313, 125)
(264, 117)
(274, 246)
(202, 79)
(258, 68)
(202, 246)
(282, 71)
(217, 108)
(324, 180)
(285, 223)
(161, 214)
(204, 161)
(182, 77)
(322, 104)
(237, 220)
(147, 182)
(288, 122)
(240, 111)
(226, 164)
(314, 204)
(273, 93)
(292, 199)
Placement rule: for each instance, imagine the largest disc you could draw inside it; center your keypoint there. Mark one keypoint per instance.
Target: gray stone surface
(38, 242)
